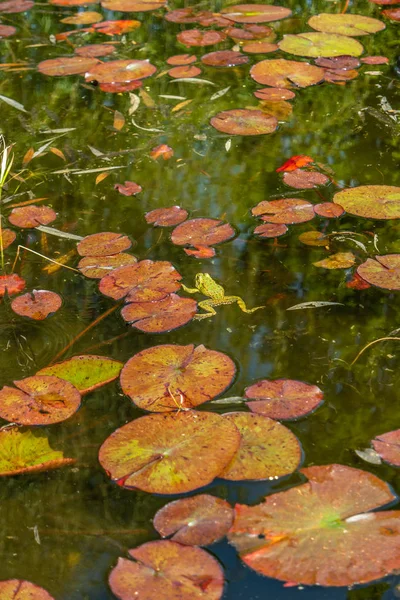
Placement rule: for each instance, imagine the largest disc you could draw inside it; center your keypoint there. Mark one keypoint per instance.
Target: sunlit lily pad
(167, 570)
(244, 121)
(315, 44)
(117, 27)
(287, 211)
(11, 284)
(7, 237)
(95, 50)
(168, 377)
(32, 216)
(255, 13)
(103, 244)
(27, 452)
(329, 210)
(251, 32)
(197, 37)
(387, 445)
(120, 71)
(37, 305)
(260, 47)
(184, 71)
(170, 453)
(320, 533)
(283, 399)
(83, 18)
(181, 59)
(271, 230)
(371, 201)
(352, 25)
(161, 315)
(196, 521)
(39, 400)
(201, 233)
(284, 73)
(383, 271)
(166, 217)
(86, 372)
(95, 267)
(267, 449)
(224, 58)
(314, 238)
(304, 180)
(17, 589)
(132, 5)
(340, 260)
(66, 65)
(274, 94)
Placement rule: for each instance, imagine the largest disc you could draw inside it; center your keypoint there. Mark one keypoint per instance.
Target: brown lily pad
(387, 445)
(329, 210)
(183, 15)
(32, 216)
(375, 60)
(202, 233)
(274, 94)
(17, 589)
(314, 238)
(304, 180)
(96, 267)
(164, 378)
(161, 315)
(271, 230)
(7, 238)
(120, 71)
(255, 13)
(37, 305)
(197, 37)
(382, 272)
(344, 63)
(129, 188)
(251, 32)
(244, 121)
(94, 50)
(371, 201)
(340, 260)
(87, 372)
(184, 72)
(224, 58)
(340, 75)
(166, 217)
(284, 73)
(287, 211)
(103, 244)
(66, 65)
(181, 59)
(345, 24)
(11, 284)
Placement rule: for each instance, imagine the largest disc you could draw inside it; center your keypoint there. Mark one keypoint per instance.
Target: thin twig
(384, 339)
(345, 7)
(41, 256)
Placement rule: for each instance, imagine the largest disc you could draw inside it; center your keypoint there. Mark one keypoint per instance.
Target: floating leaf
(11, 284)
(260, 47)
(251, 32)
(318, 533)
(118, 88)
(165, 569)
(329, 210)
(37, 305)
(32, 216)
(183, 72)
(120, 71)
(340, 260)
(201, 252)
(86, 372)
(196, 37)
(224, 58)
(244, 121)
(39, 400)
(161, 315)
(271, 230)
(287, 211)
(67, 65)
(7, 238)
(95, 267)
(305, 180)
(357, 283)
(93, 50)
(7, 31)
(83, 18)
(166, 217)
(314, 238)
(129, 188)
(162, 378)
(119, 120)
(316, 44)
(255, 13)
(196, 521)
(391, 13)
(202, 233)
(285, 73)
(132, 5)
(72, 2)
(344, 63)
(375, 60)
(371, 201)
(295, 162)
(15, 6)
(340, 75)
(17, 589)
(117, 27)
(283, 399)
(166, 152)
(181, 59)
(352, 25)
(383, 271)
(169, 453)
(103, 244)
(387, 445)
(27, 452)
(274, 94)
(183, 15)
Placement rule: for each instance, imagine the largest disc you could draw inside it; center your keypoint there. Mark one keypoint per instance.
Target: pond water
(65, 529)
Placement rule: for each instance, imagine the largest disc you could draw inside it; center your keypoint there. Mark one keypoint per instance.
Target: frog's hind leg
(242, 304)
(205, 305)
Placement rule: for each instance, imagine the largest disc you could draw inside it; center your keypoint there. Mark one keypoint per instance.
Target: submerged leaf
(11, 284)
(283, 399)
(86, 372)
(244, 121)
(129, 188)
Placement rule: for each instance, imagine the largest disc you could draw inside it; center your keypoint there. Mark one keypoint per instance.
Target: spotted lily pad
(103, 244)
(161, 315)
(287, 211)
(27, 452)
(39, 400)
(304, 180)
(86, 372)
(352, 25)
(168, 377)
(120, 71)
(387, 445)
(196, 37)
(170, 453)
(271, 230)
(201, 233)
(320, 533)
(244, 121)
(17, 589)
(284, 73)
(255, 13)
(315, 44)
(283, 399)
(196, 521)
(340, 260)
(164, 569)
(11, 284)
(32, 216)
(329, 210)
(371, 201)
(166, 217)
(37, 305)
(224, 58)
(95, 267)
(267, 449)
(382, 271)
(66, 65)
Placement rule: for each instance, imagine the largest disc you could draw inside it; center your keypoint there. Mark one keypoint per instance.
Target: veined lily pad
(244, 121)
(103, 244)
(320, 533)
(32, 216)
(120, 71)
(340, 260)
(283, 399)
(202, 232)
(196, 521)
(371, 201)
(383, 271)
(284, 73)
(17, 589)
(166, 217)
(170, 453)
(86, 372)
(168, 570)
(169, 377)
(66, 65)
(96, 267)
(160, 316)
(315, 44)
(255, 13)
(27, 452)
(352, 25)
(387, 445)
(11, 284)
(37, 305)
(287, 211)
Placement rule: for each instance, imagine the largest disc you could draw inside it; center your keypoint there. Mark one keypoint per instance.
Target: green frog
(206, 285)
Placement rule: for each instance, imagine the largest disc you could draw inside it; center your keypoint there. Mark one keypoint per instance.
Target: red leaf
(295, 162)
(128, 189)
(357, 283)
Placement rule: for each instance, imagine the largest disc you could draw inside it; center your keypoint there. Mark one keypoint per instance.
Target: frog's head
(202, 279)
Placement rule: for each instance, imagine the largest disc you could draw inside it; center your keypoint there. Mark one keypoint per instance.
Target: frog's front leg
(242, 304)
(206, 305)
(189, 290)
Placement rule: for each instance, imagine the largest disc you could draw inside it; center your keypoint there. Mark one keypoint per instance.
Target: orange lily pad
(120, 71)
(371, 201)
(11, 284)
(387, 445)
(260, 47)
(161, 315)
(181, 59)
(284, 73)
(197, 37)
(271, 230)
(95, 267)
(166, 217)
(166, 152)
(255, 13)
(184, 72)
(17, 589)
(103, 244)
(118, 88)
(37, 305)
(32, 216)
(287, 211)
(202, 233)
(224, 58)
(375, 60)
(117, 27)
(7, 237)
(86, 372)
(132, 5)
(274, 94)
(83, 18)
(382, 271)
(329, 210)
(244, 121)
(93, 50)
(66, 65)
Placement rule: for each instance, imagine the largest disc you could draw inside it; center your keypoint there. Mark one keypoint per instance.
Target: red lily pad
(39, 400)
(202, 233)
(170, 453)
(15, 6)
(129, 188)
(251, 32)
(271, 230)
(132, 5)
(283, 399)
(224, 58)
(274, 94)
(72, 2)
(119, 88)
(344, 63)
(284, 73)
(357, 283)
(181, 59)
(165, 569)
(387, 446)
(375, 60)
(340, 75)
(17, 589)
(27, 452)
(94, 50)
(260, 47)
(103, 244)
(319, 533)
(32, 216)
(329, 210)
(164, 378)
(7, 31)
(267, 449)
(11, 284)
(315, 44)
(182, 15)
(96, 267)
(255, 13)
(340, 260)
(37, 305)
(120, 71)
(391, 13)
(184, 71)
(287, 211)
(244, 121)
(371, 201)
(66, 65)
(166, 217)
(196, 521)
(7, 237)
(117, 27)
(196, 37)
(304, 180)
(161, 315)
(382, 272)
(345, 24)
(86, 372)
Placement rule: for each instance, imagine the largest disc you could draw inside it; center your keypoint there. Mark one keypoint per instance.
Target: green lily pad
(282, 73)
(27, 452)
(170, 453)
(86, 372)
(321, 533)
(352, 25)
(387, 446)
(267, 449)
(17, 589)
(315, 44)
(383, 271)
(283, 398)
(371, 201)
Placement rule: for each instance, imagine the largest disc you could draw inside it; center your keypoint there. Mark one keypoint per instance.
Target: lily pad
(181, 59)
(383, 271)
(267, 449)
(132, 5)
(224, 58)
(375, 60)
(166, 217)
(103, 244)
(66, 65)
(314, 238)
(17, 589)
(7, 31)
(161, 315)
(260, 47)
(274, 94)
(284, 73)
(283, 399)
(27, 452)
(244, 121)
(320, 533)
(86, 372)
(96, 267)
(119, 88)
(304, 180)
(183, 15)
(197, 37)
(352, 25)
(340, 260)
(129, 188)
(168, 377)
(165, 569)
(37, 305)
(387, 446)
(271, 230)
(120, 71)
(196, 521)
(251, 32)
(118, 27)
(32, 216)
(95, 50)
(184, 72)
(255, 13)
(345, 63)
(315, 44)
(170, 453)
(201, 233)
(83, 18)
(340, 75)
(11, 284)
(329, 210)
(287, 211)
(145, 281)
(392, 13)
(166, 152)
(371, 201)
(15, 6)
(7, 237)
(39, 400)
